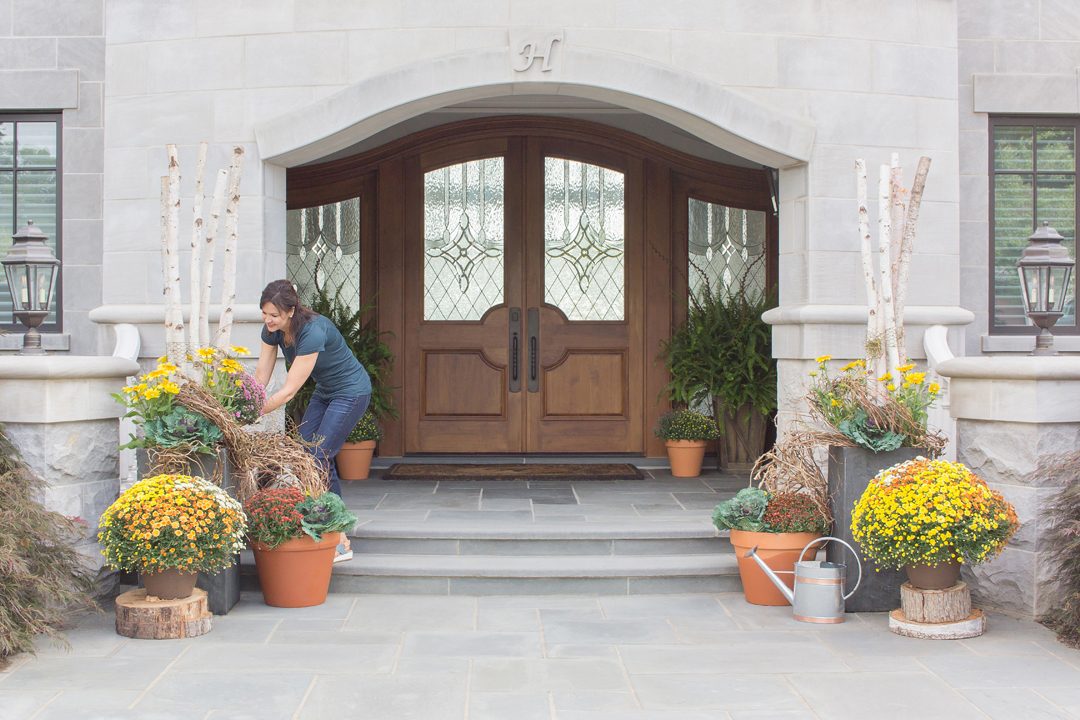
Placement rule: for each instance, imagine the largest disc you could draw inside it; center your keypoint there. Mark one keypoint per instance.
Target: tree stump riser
(971, 626)
(935, 606)
(136, 617)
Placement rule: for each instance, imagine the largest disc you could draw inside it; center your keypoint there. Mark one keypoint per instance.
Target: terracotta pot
(933, 577)
(780, 551)
(169, 584)
(685, 457)
(354, 460)
(296, 573)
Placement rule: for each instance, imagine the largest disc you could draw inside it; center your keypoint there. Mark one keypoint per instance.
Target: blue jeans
(330, 422)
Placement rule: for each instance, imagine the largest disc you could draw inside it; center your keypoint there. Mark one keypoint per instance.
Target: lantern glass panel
(1033, 284)
(1059, 286)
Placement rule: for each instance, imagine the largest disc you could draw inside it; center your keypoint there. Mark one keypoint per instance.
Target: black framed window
(1032, 178)
(29, 190)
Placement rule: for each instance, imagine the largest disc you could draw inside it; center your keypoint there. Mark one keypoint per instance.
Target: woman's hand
(298, 375)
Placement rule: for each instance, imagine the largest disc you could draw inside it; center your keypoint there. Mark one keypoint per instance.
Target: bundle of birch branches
(886, 287)
(178, 343)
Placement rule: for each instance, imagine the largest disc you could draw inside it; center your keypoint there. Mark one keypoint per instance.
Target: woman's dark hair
(282, 295)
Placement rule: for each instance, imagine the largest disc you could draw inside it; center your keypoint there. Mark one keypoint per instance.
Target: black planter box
(850, 470)
(223, 588)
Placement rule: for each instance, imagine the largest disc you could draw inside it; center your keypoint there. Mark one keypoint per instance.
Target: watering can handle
(857, 561)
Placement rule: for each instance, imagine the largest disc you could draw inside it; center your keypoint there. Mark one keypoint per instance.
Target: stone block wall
(1014, 58)
(1023, 461)
(52, 58)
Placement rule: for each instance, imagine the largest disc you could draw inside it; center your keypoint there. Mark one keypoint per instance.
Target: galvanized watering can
(819, 586)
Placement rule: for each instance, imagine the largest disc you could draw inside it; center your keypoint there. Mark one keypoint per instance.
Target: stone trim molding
(1026, 94)
(765, 134)
(56, 367)
(1014, 389)
(155, 313)
(856, 315)
(39, 89)
(1025, 343)
(49, 341)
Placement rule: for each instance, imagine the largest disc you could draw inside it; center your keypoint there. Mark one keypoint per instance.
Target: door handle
(534, 350)
(515, 350)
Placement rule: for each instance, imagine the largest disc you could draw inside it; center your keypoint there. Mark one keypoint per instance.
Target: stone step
(536, 574)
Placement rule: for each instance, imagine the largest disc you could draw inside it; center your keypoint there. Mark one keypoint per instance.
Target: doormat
(516, 471)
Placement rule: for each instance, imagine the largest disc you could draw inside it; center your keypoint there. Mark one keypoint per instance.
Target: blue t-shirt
(337, 372)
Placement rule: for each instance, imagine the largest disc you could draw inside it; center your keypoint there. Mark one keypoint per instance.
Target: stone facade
(52, 57)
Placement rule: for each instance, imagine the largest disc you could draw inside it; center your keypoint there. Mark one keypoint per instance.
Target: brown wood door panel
(462, 383)
(587, 384)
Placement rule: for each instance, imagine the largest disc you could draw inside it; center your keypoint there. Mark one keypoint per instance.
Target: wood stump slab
(935, 606)
(971, 626)
(154, 619)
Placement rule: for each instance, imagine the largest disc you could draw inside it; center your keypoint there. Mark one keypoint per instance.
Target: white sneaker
(343, 553)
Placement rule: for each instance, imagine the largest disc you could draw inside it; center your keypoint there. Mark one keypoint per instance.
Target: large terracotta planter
(169, 584)
(354, 460)
(780, 551)
(296, 573)
(933, 577)
(685, 457)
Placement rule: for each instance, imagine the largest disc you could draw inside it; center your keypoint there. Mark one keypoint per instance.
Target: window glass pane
(7, 144)
(36, 143)
(1013, 223)
(323, 251)
(463, 240)
(1012, 148)
(584, 265)
(7, 222)
(1057, 205)
(1055, 149)
(727, 249)
(36, 201)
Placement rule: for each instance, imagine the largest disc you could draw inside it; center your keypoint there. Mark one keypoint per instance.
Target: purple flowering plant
(239, 392)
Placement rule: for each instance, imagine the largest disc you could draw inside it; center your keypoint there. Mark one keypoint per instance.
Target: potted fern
(721, 358)
(354, 459)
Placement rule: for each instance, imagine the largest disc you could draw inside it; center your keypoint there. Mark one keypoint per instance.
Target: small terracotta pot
(354, 460)
(933, 577)
(296, 573)
(685, 457)
(780, 551)
(169, 584)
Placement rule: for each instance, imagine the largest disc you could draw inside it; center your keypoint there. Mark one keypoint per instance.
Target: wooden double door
(523, 298)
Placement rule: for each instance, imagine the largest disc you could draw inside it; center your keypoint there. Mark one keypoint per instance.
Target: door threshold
(637, 460)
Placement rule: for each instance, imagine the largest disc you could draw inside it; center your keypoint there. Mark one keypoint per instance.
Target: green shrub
(367, 429)
(42, 579)
(687, 425)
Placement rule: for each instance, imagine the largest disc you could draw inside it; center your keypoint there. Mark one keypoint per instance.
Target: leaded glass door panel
(523, 325)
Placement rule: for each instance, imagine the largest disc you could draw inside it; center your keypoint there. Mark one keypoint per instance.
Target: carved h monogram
(537, 46)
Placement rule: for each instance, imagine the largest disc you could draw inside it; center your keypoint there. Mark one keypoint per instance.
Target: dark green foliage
(742, 512)
(324, 514)
(366, 343)
(687, 425)
(367, 429)
(1063, 543)
(42, 580)
(863, 433)
(722, 355)
(181, 427)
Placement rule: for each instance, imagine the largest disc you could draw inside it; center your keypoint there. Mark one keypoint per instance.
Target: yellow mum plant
(927, 512)
(172, 522)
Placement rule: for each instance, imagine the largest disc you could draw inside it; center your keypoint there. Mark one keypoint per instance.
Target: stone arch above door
(709, 111)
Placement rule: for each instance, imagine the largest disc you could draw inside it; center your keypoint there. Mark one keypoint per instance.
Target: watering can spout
(752, 553)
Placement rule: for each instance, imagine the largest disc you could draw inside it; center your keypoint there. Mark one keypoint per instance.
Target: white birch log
(198, 231)
(897, 210)
(885, 269)
(216, 207)
(228, 275)
(174, 313)
(907, 242)
(867, 260)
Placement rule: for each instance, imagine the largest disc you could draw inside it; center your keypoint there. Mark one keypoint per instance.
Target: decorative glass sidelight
(323, 251)
(584, 238)
(727, 248)
(463, 240)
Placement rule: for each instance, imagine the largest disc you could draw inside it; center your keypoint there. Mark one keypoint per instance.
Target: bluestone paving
(558, 657)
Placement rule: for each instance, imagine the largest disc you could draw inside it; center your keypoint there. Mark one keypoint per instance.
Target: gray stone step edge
(536, 531)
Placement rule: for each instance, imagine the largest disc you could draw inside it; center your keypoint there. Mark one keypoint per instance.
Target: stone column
(58, 412)
(1016, 417)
